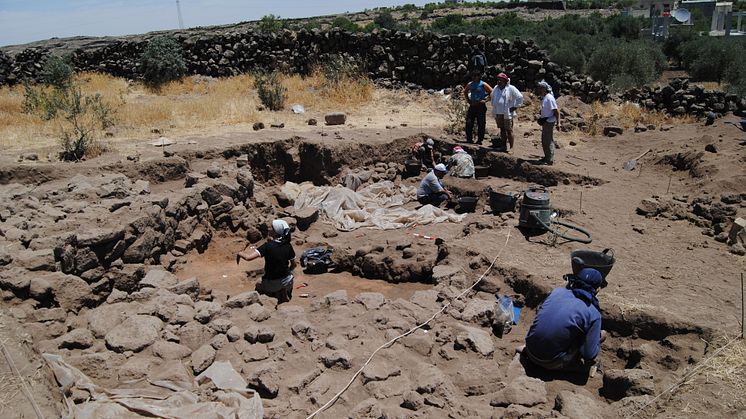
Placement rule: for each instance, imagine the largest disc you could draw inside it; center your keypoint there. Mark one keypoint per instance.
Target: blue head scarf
(584, 285)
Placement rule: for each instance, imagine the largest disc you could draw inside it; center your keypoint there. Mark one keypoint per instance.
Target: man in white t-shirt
(549, 118)
(505, 100)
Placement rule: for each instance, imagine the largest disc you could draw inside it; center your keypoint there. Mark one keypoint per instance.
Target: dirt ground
(668, 275)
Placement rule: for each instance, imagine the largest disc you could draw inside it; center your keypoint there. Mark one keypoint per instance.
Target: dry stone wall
(425, 59)
(680, 97)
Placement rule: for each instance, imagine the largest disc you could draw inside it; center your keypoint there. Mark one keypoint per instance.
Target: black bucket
(500, 202)
(467, 203)
(481, 171)
(412, 167)
(600, 261)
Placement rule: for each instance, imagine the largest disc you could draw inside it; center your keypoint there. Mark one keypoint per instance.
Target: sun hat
(280, 227)
(440, 167)
(429, 142)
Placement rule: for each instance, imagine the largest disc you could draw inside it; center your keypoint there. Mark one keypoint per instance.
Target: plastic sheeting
(160, 399)
(378, 206)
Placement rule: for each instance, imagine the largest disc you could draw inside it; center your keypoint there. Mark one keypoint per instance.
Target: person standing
(478, 61)
(566, 333)
(431, 190)
(505, 100)
(548, 119)
(279, 262)
(477, 93)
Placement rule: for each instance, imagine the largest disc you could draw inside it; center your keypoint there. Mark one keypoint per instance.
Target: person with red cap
(505, 100)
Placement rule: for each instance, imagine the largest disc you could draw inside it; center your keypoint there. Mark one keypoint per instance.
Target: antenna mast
(178, 10)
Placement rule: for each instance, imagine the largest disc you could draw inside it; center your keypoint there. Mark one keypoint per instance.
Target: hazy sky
(24, 21)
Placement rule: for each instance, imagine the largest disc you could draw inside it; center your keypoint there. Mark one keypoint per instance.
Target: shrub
(569, 56)
(271, 91)
(735, 77)
(456, 113)
(271, 24)
(642, 61)
(80, 123)
(162, 61)
(385, 20)
(57, 71)
(346, 24)
(625, 27)
(676, 38)
(708, 58)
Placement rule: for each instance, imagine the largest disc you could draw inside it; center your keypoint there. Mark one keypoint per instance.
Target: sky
(23, 21)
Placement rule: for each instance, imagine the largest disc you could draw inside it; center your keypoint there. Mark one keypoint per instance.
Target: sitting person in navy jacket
(566, 333)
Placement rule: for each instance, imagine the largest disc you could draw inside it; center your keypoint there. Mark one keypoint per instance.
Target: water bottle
(504, 317)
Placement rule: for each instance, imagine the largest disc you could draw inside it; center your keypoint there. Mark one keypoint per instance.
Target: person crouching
(431, 190)
(566, 333)
(279, 262)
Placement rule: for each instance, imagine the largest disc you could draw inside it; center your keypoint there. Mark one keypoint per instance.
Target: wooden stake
(581, 202)
(669, 184)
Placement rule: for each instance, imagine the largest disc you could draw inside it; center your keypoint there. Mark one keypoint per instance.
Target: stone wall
(681, 98)
(426, 59)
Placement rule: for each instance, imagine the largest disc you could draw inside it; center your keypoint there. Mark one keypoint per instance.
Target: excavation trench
(90, 240)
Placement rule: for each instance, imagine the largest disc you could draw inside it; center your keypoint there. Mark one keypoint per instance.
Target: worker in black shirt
(279, 262)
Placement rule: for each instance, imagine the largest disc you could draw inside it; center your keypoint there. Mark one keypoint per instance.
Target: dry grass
(194, 105)
(627, 115)
(729, 368)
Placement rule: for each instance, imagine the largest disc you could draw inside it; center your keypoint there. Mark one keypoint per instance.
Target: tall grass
(192, 106)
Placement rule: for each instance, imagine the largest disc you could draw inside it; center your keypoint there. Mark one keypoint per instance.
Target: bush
(346, 24)
(735, 77)
(570, 57)
(625, 27)
(676, 38)
(456, 113)
(162, 61)
(641, 61)
(708, 58)
(44, 102)
(385, 20)
(271, 24)
(271, 91)
(57, 71)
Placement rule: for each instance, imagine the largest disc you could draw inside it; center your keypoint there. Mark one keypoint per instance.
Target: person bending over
(431, 190)
(279, 262)
(566, 333)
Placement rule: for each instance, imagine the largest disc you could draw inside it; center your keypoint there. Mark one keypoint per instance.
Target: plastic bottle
(505, 313)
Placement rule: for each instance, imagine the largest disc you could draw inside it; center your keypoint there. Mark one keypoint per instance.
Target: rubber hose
(584, 240)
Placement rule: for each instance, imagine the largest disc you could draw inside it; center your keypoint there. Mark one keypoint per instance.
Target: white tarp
(379, 206)
(160, 399)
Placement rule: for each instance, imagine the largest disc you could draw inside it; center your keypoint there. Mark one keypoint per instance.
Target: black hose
(585, 240)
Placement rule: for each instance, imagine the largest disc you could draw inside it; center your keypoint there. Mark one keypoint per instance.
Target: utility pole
(178, 10)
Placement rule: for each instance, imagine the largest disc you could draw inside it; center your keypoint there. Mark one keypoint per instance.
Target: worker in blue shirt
(566, 333)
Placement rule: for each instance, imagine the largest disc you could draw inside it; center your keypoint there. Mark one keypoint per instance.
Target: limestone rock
(258, 313)
(77, 339)
(243, 300)
(304, 331)
(371, 300)
(481, 312)
(255, 352)
(476, 340)
(336, 359)
(379, 371)
(306, 217)
(335, 118)
(193, 335)
(255, 334)
(628, 382)
(134, 333)
(264, 379)
(189, 287)
(338, 297)
(159, 278)
(170, 350)
(525, 391)
(413, 401)
(202, 358)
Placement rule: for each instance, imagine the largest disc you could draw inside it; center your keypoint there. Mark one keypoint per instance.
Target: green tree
(271, 24)
(346, 24)
(162, 61)
(385, 20)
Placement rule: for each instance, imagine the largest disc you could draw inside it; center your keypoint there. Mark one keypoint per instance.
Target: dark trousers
(434, 199)
(478, 112)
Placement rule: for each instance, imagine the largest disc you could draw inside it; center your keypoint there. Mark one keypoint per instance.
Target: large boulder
(134, 334)
(475, 340)
(524, 391)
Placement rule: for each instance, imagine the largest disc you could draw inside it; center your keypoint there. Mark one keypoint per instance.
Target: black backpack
(317, 261)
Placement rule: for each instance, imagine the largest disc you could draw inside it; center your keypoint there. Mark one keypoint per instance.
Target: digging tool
(630, 164)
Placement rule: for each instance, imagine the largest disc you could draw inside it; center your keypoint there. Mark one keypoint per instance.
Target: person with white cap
(461, 164)
(505, 100)
(431, 190)
(548, 119)
(424, 153)
(279, 262)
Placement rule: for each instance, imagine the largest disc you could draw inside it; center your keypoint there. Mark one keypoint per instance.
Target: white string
(24, 388)
(683, 379)
(408, 332)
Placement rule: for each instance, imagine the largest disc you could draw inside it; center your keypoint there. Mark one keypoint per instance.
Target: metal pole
(178, 10)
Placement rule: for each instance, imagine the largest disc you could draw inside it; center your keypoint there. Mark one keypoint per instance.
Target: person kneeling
(431, 190)
(279, 262)
(566, 333)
